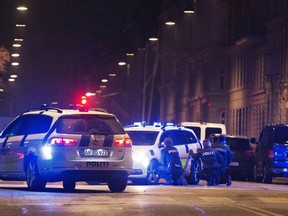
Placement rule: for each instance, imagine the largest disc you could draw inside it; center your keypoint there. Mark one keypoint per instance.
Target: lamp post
(151, 64)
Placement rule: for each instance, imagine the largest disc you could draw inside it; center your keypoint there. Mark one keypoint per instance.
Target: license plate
(234, 163)
(96, 152)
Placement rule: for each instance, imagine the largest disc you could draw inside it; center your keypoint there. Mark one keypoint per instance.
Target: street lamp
(22, 8)
(15, 55)
(153, 39)
(121, 63)
(15, 63)
(16, 45)
(20, 25)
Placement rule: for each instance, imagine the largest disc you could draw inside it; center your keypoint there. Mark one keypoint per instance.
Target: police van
(204, 129)
(147, 144)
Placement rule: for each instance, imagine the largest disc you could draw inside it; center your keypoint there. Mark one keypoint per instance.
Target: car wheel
(118, 183)
(267, 177)
(152, 173)
(33, 178)
(69, 185)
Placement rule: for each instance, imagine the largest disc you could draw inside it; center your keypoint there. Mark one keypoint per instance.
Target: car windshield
(238, 143)
(89, 124)
(143, 138)
(281, 135)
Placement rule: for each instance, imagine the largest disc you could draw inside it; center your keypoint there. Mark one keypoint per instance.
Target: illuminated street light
(11, 80)
(89, 94)
(15, 63)
(121, 63)
(170, 23)
(18, 39)
(104, 80)
(1, 90)
(189, 11)
(129, 54)
(16, 45)
(20, 25)
(112, 75)
(22, 8)
(13, 76)
(15, 55)
(153, 39)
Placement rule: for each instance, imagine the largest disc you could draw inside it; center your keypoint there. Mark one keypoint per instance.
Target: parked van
(204, 129)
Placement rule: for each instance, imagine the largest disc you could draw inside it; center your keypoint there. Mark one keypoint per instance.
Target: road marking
(257, 211)
(218, 200)
(276, 200)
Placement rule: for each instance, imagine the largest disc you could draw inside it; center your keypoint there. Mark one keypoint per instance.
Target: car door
(279, 147)
(11, 141)
(179, 141)
(262, 148)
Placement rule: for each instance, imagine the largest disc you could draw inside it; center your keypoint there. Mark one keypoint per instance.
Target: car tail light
(270, 153)
(123, 142)
(63, 141)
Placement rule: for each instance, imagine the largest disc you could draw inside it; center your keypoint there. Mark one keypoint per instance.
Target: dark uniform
(211, 161)
(171, 167)
(226, 154)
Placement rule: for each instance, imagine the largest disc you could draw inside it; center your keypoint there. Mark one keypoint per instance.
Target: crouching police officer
(211, 161)
(226, 154)
(171, 167)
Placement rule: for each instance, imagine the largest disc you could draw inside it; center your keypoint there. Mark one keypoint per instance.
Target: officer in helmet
(226, 153)
(171, 167)
(211, 161)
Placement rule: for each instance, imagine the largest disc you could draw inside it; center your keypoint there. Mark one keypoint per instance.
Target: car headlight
(140, 157)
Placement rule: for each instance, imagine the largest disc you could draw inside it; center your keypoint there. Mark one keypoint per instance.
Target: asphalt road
(241, 198)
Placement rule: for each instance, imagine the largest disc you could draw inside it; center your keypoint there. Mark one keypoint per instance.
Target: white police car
(147, 146)
(51, 144)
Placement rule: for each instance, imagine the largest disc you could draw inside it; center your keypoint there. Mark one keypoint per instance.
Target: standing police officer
(171, 167)
(226, 153)
(211, 161)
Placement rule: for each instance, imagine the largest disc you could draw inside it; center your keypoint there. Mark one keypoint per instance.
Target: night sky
(70, 45)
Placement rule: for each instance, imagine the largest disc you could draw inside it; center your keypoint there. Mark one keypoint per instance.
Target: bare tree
(4, 58)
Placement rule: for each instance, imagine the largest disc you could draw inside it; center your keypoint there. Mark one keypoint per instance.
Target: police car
(147, 144)
(50, 144)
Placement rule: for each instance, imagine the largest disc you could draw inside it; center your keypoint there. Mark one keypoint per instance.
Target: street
(241, 198)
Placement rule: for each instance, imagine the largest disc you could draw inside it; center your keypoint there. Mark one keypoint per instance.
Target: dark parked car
(243, 162)
(272, 153)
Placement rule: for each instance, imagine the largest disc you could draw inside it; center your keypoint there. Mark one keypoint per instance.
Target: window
(143, 138)
(281, 135)
(210, 131)
(197, 131)
(28, 124)
(38, 123)
(89, 124)
(179, 137)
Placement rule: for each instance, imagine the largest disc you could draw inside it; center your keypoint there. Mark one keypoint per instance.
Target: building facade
(227, 63)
